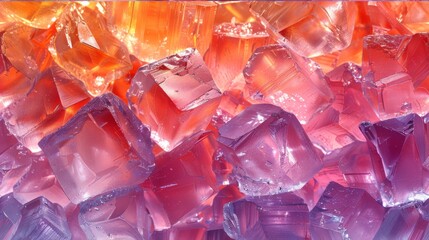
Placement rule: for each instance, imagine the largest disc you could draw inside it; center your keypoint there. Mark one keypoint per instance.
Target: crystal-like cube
(42, 220)
(398, 151)
(404, 222)
(103, 147)
(9, 215)
(38, 181)
(85, 47)
(231, 47)
(269, 149)
(175, 96)
(157, 29)
(276, 75)
(350, 101)
(45, 108)
(345, 213)
(281, 216)
(13, 83)
(119, 214)
(183, 181)
(33, 14)
(311, 28)
(386, 55)
(26, 48)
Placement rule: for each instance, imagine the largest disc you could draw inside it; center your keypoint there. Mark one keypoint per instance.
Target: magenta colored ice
(211, 217)
(182, 183)
(277, 75)
(398, 149)
(15, 160)
(39, 181)
(269, 150)
(103, 147)
(386, 55)
(396, 73)
(356, 165)
(42, 220)
(346, 83)
(275, 217)
(404, 222)
(345, 213)
(120, 214)
(10, 214)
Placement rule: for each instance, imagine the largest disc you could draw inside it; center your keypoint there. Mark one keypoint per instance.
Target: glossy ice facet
(42, 220)
(231, 47)
(345, 213)
(85, 48)
(9, 215)
(311, 28)
(175, 96)
(397, 148)
(103, 147)
(281, 216)
(276, 75)
(269, 150)
(182, 183)
(119, 214)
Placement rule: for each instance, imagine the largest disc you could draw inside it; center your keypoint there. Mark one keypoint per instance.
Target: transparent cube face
(107, 148)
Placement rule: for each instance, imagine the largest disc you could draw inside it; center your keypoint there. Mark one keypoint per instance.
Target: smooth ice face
(276, 75)
(398, 149)
(310, 28)
(34, 14)
(26, 48)
(396, 73)
(345, 213)
(231, 47)
(211, 216)
(85, 48)
(13, 83)
(404, 222)
(119, 214)
(103, 147)
(38, 181)
(281, 216)
(269, 150)
(154, 30)
(346, 84)
(175, 96)
(10, 214)
(183, 181)
(355, 163)
(42, 220)
(15, 160)
(53, 100)
(386, 55)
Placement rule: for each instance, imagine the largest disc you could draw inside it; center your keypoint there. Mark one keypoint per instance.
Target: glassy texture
(182, 182)
(119, 214)
(310, 28)
(42, 219)
(175, 96)
(282, 216)
(276, 75)
(269, 150)
(345, 213)
(399, 153)
(154, 30)
(34, 14)
(105, 144)
(84, 47)
(231, 47)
